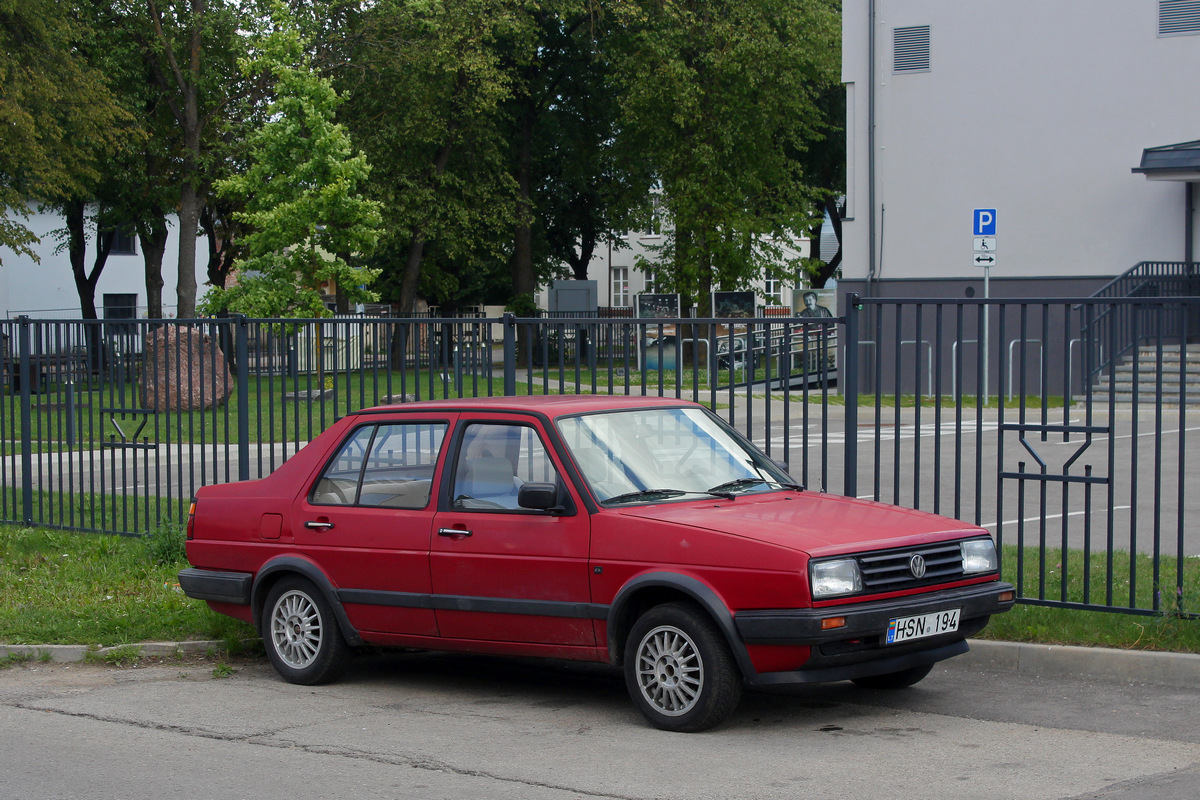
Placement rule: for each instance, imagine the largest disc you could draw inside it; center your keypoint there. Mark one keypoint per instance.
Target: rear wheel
(679, 670)
(300, 633)
(895, 680)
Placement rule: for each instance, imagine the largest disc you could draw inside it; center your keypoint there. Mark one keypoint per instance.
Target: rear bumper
(220, 587)
(858, 648)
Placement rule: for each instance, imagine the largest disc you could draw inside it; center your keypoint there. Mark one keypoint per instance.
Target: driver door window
(494, 461)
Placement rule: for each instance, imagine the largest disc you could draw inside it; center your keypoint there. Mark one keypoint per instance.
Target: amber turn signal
(829, 623)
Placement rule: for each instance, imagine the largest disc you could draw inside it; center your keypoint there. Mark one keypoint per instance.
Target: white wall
(47, 289)
(1038, 108)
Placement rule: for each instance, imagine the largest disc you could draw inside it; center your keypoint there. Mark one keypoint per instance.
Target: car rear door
(502, 573)
(367, 519)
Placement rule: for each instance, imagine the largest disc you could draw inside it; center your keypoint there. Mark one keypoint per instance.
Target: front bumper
(857, 649)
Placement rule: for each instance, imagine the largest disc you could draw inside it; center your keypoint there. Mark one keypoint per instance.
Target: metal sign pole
(986, 330)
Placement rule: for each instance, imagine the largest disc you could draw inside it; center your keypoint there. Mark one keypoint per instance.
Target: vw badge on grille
(916, 565)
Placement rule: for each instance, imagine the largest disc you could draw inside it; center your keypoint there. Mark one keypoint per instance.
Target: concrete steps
(1179, 377)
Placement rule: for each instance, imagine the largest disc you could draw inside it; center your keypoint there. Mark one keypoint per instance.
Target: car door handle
(320, 526)
(452, 532)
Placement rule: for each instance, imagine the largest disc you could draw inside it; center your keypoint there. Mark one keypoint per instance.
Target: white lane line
(1048, 516)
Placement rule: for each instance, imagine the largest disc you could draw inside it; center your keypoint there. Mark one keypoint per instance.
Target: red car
(641, 532)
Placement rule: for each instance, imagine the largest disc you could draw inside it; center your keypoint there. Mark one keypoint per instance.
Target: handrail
(1121, 330)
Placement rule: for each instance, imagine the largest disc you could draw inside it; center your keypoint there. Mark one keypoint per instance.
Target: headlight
(979, 555)
(831, 578)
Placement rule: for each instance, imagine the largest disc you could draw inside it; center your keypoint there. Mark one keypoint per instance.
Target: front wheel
(894, 680)
(301, 635)
(679, 669)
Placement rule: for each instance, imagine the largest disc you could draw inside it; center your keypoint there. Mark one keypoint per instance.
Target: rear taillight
(191, 519)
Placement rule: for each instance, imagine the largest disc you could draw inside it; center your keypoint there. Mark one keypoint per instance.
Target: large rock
(183, 369)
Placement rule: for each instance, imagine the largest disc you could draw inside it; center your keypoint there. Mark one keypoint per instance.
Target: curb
(1135, 666)
(71, 653)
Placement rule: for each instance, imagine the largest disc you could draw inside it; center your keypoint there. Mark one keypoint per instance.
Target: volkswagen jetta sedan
(641, 532)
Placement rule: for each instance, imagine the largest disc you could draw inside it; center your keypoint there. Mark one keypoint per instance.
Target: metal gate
(1060, 426)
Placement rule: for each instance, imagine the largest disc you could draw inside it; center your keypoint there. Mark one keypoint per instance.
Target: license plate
(902, 629)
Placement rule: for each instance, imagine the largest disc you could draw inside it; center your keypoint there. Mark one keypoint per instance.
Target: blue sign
(985, 222)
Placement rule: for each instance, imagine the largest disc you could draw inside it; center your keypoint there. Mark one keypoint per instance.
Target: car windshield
(651, 455)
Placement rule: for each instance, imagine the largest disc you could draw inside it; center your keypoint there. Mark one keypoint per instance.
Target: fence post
(242, 358)
(850, 395)
(510, 354)
(25, 371)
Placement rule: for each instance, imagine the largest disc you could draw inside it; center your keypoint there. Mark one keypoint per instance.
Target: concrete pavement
(1140, 666)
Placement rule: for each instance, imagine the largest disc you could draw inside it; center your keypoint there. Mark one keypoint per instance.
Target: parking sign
(985, 222)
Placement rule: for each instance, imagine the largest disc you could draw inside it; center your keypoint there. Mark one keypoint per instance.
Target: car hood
(815, 523)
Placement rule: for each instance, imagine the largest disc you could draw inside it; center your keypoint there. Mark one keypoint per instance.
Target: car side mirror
(783, 465)
(539, 497)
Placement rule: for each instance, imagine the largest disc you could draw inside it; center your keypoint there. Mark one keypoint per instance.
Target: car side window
(494, 461)
(389, 465)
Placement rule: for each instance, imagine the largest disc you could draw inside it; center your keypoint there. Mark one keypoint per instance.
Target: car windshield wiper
(646, 494)
(744, 483)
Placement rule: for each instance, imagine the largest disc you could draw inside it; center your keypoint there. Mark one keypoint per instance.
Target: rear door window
(389, 465)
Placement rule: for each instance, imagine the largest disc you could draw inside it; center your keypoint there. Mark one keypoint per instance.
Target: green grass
(1042, 625)
(59, 587)
(1125, 583)
(1165, 630)
(270, 417)
(109, 513)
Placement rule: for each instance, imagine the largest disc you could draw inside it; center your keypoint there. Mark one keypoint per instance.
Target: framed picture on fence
(733, 304)
(657, 306)
(815, 302)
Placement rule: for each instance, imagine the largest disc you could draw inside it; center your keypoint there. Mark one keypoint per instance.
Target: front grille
(888, 571)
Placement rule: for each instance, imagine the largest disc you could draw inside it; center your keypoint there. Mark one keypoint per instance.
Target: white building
(619, 279)
(1038, 109)
(47, 289)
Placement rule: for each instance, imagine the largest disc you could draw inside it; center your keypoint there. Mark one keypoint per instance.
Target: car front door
(502, 573)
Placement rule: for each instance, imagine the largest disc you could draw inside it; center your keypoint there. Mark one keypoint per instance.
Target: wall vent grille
(1178, 17)
(910, 49)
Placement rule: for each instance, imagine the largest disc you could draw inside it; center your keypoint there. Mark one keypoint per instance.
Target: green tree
(58, 114)
(575, 179)
(303, 205)
(424, 83)
(722, 97)
(191, 49)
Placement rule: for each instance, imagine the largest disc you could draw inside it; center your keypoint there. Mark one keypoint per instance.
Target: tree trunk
(587, 248)
(189, 223)
(523, 278)
(412, 273)
(416, 245)
(153, 236)
(85, 284)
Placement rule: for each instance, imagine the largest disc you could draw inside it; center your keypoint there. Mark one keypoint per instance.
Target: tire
(679, 670)
(894, 680)
(301, 634)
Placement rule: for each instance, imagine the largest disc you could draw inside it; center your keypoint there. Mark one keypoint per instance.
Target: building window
(910, 49)
(773, 291)
(121, 243)
(1178, 17)
(619, 296)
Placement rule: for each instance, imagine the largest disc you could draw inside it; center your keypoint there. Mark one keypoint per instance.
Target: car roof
(549, 405)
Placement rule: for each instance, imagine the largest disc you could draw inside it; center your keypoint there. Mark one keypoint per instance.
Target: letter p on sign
(985, 222)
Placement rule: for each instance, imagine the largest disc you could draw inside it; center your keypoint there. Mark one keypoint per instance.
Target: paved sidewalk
(1137, 666)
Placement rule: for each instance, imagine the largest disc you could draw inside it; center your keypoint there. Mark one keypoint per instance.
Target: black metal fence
(1009, 414)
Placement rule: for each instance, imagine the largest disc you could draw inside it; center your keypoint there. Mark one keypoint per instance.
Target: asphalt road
(431, 726)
